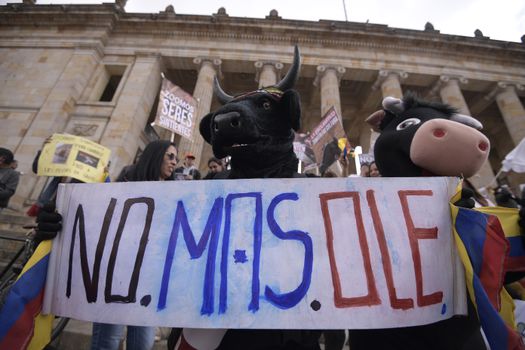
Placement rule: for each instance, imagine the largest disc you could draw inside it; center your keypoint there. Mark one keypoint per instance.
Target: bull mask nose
(230, 121)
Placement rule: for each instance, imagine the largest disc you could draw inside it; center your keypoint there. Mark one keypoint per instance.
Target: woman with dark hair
(374, 172)
(215, 166)
(156, 163)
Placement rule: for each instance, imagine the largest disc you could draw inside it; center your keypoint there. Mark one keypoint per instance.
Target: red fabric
(184, 344)
(21, 332)
(33, 210)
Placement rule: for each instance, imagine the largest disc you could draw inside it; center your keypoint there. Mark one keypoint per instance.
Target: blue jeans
(49, 192)
(107, 337)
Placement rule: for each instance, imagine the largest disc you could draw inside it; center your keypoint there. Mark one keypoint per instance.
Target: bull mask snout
(227, 124)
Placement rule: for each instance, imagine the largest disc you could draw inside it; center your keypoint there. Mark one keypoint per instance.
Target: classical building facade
(95, 71)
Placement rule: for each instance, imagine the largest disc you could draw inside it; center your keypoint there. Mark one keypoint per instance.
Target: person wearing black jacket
(8, 177)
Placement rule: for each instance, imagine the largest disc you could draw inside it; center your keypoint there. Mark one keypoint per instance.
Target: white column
(131, 113)
(512, 110)
(267, 73)
(203, 92)
(390, 84)
(328, 79)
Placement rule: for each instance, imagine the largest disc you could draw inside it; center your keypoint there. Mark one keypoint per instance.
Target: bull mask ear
(375, 120)
(205, 127)
(291, 104)
(219, 92)
(393, 105)
(289, 80)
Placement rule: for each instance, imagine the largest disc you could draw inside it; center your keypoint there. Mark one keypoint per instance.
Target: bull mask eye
(406, 123)
(266, 104)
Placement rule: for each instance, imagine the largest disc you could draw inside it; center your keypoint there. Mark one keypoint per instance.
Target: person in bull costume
(420, 138)
(256, 129)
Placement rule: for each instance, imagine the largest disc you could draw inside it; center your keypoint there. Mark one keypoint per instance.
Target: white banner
(266, 253)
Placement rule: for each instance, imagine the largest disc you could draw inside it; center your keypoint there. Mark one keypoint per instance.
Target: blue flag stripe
(471, 227)
(516, 246)
(25, 289)
(492, 324)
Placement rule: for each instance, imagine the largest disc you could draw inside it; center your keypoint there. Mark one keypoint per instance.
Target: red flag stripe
(18, 337)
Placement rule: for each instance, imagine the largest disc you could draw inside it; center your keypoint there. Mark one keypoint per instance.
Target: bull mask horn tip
(291, 77)
(467, 120)
(219, 92)
(393, 105)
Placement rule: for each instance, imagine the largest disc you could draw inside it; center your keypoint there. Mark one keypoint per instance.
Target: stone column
(450, 92)
(267, 73)
(390, 83)
(131, 113)
(328, 79)
(203, 92)
(512, 110)
(53, 114)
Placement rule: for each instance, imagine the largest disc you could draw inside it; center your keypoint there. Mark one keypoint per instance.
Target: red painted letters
(414, 234)
(372, 298)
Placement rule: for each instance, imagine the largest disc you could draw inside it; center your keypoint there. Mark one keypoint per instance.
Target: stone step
(15, 218)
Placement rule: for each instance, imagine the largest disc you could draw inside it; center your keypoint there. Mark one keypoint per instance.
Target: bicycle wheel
(6, 284)
(58, 326)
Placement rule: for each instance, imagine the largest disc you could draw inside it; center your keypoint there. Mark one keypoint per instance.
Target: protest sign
(176, 111)
(326, 138)
(74, 156)
(302, 148)
(306, 253)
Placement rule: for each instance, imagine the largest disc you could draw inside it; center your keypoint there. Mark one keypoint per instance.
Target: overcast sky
(497, 19)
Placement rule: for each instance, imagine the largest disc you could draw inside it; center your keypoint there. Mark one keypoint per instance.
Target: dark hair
(216, 160)
(7, 155)
(150, 161)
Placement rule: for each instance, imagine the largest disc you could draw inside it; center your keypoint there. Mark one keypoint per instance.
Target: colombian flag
(489, 247)
(21, 324)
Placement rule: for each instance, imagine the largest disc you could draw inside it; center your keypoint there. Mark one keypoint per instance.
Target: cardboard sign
(310, 253)
(326, 138)
(303, 149)
(176, 111)
(74, 156)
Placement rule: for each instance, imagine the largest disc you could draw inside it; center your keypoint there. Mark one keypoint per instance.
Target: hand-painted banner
(74, 156)
(265, 253)
(176, 111)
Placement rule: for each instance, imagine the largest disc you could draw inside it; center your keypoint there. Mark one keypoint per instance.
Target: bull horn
(375, 119)
(293, 73)
(467, 120)
(219, 92)
(393, 105)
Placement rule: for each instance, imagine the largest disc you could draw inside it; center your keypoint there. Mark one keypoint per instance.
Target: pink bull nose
(448, 148)
(439, 132)
(484, 146)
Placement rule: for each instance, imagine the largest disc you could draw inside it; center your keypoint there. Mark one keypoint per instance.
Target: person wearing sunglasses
(156, 163)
